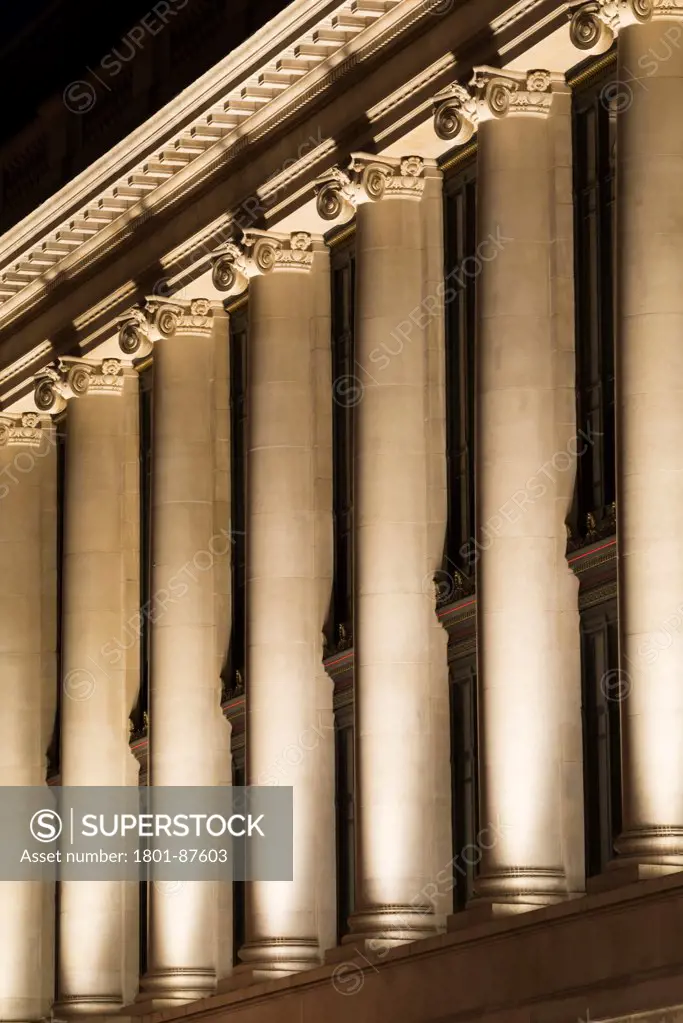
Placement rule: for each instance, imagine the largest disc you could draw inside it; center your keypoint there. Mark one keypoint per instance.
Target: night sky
(46, 44)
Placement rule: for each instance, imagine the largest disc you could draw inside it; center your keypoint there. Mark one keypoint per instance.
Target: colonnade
(527, 619)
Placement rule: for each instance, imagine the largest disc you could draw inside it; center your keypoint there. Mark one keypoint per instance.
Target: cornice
(280, 70)
(267, 79)
(269, 86)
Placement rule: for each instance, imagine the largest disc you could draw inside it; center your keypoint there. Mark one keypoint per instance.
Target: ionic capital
(160, 318)
(73, 378)
(260, 252)
(230, 268)
(595, 23)
(134, 334)
(492, 94)
(368, 179)
(25, 429)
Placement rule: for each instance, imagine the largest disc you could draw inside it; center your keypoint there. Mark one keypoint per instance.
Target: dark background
(45, 45)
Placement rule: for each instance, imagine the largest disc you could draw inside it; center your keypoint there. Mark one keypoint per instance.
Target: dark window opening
(238, 888)
(239, 321)
(601, 711)
(343, 389)
(460, 244)
(594, 212)
(54, 759)
(464, 775)
(345, 822)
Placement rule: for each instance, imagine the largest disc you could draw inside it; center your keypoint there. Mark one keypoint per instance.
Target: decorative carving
(48, 395)
(135, 733)
(399, 179)
(345, 638)
(25, 430)
(594, 24)
(268, 252)
(160, 318)
(196, 317)
(232, 688)
(230, 269)
(492, 93)
(369, 179)
(335, 196)
(134, 339)
(163, 316)
(72, 378)
(499, 93)
(666, 8)
(260, 252)
(599, 526)
(450, 586)
(455, 114)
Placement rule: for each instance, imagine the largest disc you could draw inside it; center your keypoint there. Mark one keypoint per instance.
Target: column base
(521, 886)
(274, 958)
(390, 926)
(165, 989)
(70, 1006)
(657, 846)
(621, 874)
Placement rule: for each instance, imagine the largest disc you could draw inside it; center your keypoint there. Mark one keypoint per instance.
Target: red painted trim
(454, 610)
(593, 551)
(344, 656)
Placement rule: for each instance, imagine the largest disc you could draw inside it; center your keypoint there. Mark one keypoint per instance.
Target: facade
(327, 397)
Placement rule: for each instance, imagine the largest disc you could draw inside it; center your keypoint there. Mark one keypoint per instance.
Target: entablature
(328, 80)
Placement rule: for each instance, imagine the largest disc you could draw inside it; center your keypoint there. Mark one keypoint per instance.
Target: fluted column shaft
(100, 664)
(649, 395)
(288, 522)
(27, 670)
(188, 734)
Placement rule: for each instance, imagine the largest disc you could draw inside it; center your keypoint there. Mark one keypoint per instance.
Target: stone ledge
(601, 953)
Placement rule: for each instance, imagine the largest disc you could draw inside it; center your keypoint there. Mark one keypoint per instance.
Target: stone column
(222, 549)
(649, 395)
(99, 680)
(321, 740)
(188, 732)
(397, 518)
(28, 547)
(432, 317)
(288, 522)
(519, 472)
